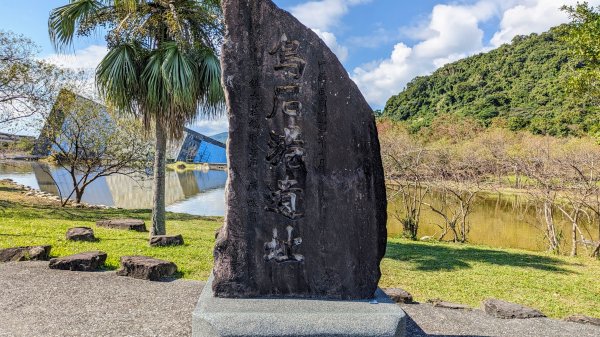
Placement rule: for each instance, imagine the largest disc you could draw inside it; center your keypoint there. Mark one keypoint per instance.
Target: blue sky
(382, 43)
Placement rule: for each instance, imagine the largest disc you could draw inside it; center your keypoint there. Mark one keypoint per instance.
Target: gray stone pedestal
(295, 317)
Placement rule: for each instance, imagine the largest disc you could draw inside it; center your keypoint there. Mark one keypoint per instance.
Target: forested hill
(522, 85)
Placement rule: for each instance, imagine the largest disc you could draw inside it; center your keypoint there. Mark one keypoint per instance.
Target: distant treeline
(519, 86)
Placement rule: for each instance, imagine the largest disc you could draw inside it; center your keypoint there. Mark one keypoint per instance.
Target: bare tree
(538, 163)
(454, 163)
(27, 85)
(406, 171)
(457, 176)
(594, 205)
(579, 159)
(89, 143)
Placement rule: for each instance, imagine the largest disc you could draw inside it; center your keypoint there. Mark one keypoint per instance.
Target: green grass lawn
(559, 286)
(29, 225)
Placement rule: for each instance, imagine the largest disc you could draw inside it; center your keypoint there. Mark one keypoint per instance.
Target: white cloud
(377, 81)
(321, 16)
(83, 63)
(211, 127)
(87, 58)
(453, 32)
(331, 41)
(324, 14)
(453, 29)
(533, 16)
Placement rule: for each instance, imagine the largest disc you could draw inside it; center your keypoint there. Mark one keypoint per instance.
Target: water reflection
(498, 220)
(193, 192)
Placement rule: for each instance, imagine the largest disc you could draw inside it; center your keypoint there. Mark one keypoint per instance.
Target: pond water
(498, 220)
(192, 192)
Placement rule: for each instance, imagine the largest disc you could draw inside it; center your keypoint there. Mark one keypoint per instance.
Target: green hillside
(521, 85)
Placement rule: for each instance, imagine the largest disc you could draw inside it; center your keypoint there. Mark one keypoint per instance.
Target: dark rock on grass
(81, 234)
(124, 224)
(438, 303)
(88, 261)
(31, 253)
(583, 320)
(146, 268)
(166, 240)
(399, 295)
(503, 309)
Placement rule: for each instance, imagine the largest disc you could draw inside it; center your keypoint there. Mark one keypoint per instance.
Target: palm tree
(162, 65)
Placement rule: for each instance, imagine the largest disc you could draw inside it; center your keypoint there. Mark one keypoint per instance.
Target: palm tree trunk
(158, 192)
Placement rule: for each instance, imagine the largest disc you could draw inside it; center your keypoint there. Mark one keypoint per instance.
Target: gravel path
(427, 321)
(37, 301)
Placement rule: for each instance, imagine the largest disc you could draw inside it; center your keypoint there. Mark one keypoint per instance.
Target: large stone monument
(306, 198)
(306, 203)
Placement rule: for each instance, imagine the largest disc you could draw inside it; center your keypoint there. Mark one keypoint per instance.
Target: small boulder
(81, 234)
(31, 253)
(583, 320)
(503, 309)
(146, 268)
(125, 224)
(399, 295)
(166, 240)
(438, 303)
(88, 261)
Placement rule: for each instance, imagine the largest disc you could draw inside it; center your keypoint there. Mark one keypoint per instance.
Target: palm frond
(153, 89)
(64, 20)
(212, 94)
(179, 76)
(117, 76)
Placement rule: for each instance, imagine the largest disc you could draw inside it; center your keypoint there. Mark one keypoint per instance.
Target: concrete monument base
(213, 316)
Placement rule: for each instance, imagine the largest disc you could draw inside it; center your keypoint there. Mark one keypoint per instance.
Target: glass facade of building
(198, 148)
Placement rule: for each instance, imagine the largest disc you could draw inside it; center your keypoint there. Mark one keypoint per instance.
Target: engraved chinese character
(284, 200)
(283, 250)
(279, 146)
(294, 157)
(285, 100)
(292, 108)
(292, 133)
(288, 57)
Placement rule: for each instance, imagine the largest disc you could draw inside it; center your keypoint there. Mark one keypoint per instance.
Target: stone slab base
(296, 317)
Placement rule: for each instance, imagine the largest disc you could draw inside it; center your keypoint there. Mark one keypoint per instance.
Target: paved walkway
(426, 321)
(37, 301)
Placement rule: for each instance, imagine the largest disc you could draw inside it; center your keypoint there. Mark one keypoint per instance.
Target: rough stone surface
(81, 234)
(583, 319)
(503, 309)
(166, 240)
(438, 303)
(146, 268)
(125, 224)
(306, 197)
(296, 317)
(399, 295)
(32, 253)
(88, 261)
